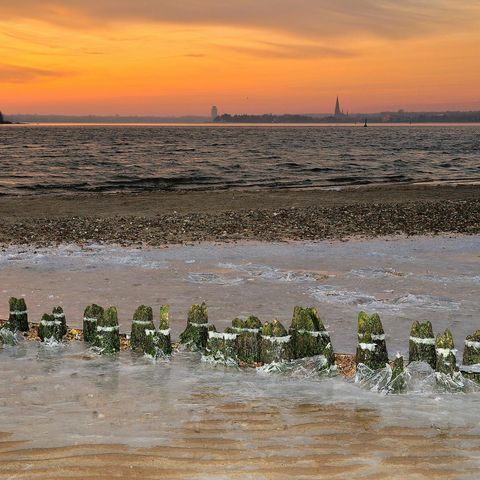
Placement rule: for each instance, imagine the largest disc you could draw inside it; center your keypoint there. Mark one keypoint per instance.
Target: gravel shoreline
(264, 224)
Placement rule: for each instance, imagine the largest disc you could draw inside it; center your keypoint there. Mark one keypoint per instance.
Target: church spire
(337, 108)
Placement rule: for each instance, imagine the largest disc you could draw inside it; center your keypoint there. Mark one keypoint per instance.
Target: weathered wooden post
(371, 348)
(275, 343)
(91, 316)
(309, 335)
(422, 344)
(446, 354)
(107, 339)
(18, 317)
(195, 335)
(142, 321)
(247, 342)
(50, 329)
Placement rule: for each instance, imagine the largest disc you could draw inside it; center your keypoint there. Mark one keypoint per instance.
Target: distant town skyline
(156, 57)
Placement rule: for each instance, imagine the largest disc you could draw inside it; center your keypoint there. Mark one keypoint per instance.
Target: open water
(100, 158)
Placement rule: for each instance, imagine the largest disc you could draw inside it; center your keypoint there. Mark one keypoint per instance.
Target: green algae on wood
(164, 341)
(247, 343)
(371, 348)
(309, 335)
(275, 343)
(107, 338)
(221, 346)
(18, 316)
(398, 382)
(142, 321)
(471, 352)
(50, 329)
(59, 316)
(446, 354)
(422, 344)
(91, 316)
(195, 335)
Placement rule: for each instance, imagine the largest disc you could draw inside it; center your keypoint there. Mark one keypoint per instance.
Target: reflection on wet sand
(253, 440)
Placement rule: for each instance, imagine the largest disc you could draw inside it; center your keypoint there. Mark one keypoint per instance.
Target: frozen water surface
(433, 279)
(211, 422)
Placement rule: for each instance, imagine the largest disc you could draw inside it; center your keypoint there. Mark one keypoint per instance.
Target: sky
(163, 57)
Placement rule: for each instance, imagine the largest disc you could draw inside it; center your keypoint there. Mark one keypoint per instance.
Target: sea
(41, 159)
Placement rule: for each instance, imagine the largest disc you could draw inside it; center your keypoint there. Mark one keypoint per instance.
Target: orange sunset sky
(159, 57)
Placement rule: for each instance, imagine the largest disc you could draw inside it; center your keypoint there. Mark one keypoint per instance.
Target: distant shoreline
(163, 218)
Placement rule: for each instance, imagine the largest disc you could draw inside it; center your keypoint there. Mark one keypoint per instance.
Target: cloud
(314, 19)
(290, 51)
(20, 74)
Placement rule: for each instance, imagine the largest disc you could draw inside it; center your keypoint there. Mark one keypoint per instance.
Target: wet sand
(319, 442)
(160, 218)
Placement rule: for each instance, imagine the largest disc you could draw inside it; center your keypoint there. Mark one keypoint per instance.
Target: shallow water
(68, 413)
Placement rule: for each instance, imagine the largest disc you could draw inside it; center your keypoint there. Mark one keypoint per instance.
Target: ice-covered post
(398, 383)
(309, 335)
(221, 347)
(50, 329)
(275, 343)
(164, 340)
(371, 348)
(446, 358)
(18, 317)
(107, 339)
(195, 336)
(471, 353)
(91, 316)
(247, 343)
(59, 316)
(142, 321)
(422, 344)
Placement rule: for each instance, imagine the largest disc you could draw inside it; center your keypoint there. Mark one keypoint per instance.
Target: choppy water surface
(186, 419)
(55, 159)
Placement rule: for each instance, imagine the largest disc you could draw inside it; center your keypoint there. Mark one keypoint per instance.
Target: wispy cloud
(20, 74)
(313, 19)
(290, 51)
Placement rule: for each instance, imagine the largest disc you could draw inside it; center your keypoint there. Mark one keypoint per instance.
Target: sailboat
(365, 124)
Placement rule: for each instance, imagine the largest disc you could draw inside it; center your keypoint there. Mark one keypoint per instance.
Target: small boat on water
(365, 124)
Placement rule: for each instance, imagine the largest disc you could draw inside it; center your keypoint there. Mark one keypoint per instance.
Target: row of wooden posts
(249, 342)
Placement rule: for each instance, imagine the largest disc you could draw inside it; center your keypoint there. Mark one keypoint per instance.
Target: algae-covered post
(471, 353)
(158, 343)
(91, 316)
(247, 343)
(275, 343)
(309, 335)
(221, 347)
(50, 329)
(398, 382)
(371, 348)
(18, 316)
(142, 321)
(59, 316)
(195, 335)
(107, 339)
(422, 344)
(446, 354)
(164, 341)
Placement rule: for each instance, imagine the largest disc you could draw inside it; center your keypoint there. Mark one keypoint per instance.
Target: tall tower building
(338, 112)
(214, 113)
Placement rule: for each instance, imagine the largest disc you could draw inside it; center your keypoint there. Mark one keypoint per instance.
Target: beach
(161, 218)
(405, 251)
